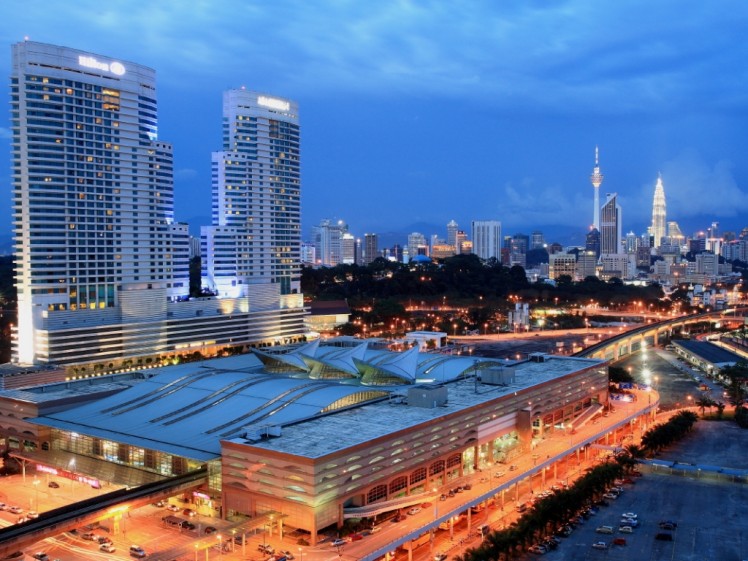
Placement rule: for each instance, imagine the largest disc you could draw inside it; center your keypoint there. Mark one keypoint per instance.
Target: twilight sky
(423, 112)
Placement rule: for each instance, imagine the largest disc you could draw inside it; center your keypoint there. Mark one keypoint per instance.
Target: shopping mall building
(318, 433)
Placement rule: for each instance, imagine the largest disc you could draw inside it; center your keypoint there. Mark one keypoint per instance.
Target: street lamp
(219, 537)
(36, 488)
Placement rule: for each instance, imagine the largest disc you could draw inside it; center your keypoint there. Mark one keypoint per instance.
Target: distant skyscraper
(597, 179)
(452, 230)
(347, 249)
(610, 226)
(487, 239)
(417, 245)
(327, 239)
(371, 248)
(658, 214)
(537, 240)
(592, 242)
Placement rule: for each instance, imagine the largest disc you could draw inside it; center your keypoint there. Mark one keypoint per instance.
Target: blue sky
(424, 112)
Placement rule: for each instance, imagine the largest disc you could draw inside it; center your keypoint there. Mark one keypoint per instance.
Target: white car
(109, 548)
(339, 542)
(631, 515)
(16, 509)
(414, 510)
(604, 529)
(626, 529)
(610, 496)
(440, 557)
(600, 545)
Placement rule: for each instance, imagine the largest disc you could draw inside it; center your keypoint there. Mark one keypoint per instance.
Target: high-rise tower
(658, 213)
(610, 226)
(597, 179)
(98, 255)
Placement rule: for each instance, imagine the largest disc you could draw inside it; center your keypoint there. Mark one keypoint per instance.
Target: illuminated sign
(46, 469)
(116, 68)
(273, 103)
(93, 482)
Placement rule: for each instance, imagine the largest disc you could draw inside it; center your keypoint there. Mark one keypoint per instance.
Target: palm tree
(703, 402)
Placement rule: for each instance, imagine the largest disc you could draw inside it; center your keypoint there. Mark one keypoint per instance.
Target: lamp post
(36, 489)
(233, 540)
(219, 537)
(197, 546)
(301, 554)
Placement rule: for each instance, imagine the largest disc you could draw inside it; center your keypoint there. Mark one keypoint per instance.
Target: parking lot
(711, 519)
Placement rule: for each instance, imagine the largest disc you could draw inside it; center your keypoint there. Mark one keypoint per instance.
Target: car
(172, 508)
(668, 524)
(499, 474)
(288, 555)
(338, 542)
(600, 545)
(210, 530)
(467, 486)
(414, 510)
(16, 510)
(604, 529)
(355, 537)
(375, 529)
(103, 539)
(521, 507)
(187, 525)
(626, 529)
(90, 536)
(53, 485)
(610, 496)
(266, 548)
(22, 519)
(109, 548)
(137, 551)
(399, 517)
(513, 468)
(159, 504)
(440, 557)
(539, 549)
(40, 556)
(442, 497)
(630, 515)
(189, 512)
(619, 541)
(633, 522)
(664, 536)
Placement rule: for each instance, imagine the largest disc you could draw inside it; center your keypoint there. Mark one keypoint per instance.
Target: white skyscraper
(102, 268)
(659, 221)
(97, 250)
(596, 179)
(487, 239)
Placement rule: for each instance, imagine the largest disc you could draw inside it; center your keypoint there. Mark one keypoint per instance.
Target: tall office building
(371, 248)
(610, 226)
(452, 229)
(537, 240)
(96, 246)
(659, 222)
(327, 239)
(487, 239)
(596, 179)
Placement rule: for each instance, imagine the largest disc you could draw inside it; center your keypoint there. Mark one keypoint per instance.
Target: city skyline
(373, 111)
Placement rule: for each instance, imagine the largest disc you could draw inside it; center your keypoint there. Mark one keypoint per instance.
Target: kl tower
(596, 178)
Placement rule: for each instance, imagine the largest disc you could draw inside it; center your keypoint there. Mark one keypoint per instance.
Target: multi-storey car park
(317, 433)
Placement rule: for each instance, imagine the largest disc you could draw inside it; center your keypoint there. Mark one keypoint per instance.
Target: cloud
(526, 203)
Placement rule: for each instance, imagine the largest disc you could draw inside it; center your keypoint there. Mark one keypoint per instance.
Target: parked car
(440, 557)
(288, 555)
(159, 504)
(103, 539)
(538, 549)
(266, 548)
(16, 510)
(90, 536)
(189, 512)
(626, 529)
(53, 485)
(619, 541)
(173, 508)
(610, 496)
(664, 536)
(40, 556)
(633, 522)
(137, 551)
(32, 515)
(414, 510)
(355, 537)
(668, 525)
(630, 515)
(338, 542)
(109, 548)
(600, 545)
(210, 529)
(604, 529)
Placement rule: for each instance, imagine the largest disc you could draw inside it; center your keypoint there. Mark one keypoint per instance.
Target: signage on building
(273, 103)
(116, 68)
(92, 481)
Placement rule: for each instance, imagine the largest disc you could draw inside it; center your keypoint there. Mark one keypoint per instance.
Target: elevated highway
(618, 346)
(111, 506)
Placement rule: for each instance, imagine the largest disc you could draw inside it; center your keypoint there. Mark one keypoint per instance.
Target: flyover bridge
(111, 506)
(618, 346)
